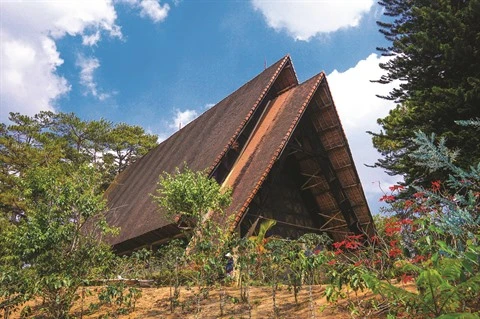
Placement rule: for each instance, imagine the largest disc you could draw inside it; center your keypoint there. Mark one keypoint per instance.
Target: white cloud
(150, 8)
(153, 10)
(182, 118)
(359, 109)
(179, 120)
(87, 68)
(91, 39)
(306, 19)
(29, 58)
(27, 80)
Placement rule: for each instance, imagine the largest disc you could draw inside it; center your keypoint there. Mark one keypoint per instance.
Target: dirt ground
(154, 303)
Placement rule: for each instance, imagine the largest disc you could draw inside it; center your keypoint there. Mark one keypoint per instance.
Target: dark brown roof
(281, 106)
(266, 144)
(269, 140)
(200, 144)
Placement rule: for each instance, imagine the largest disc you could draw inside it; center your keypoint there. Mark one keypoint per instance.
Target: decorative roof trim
(250, 113)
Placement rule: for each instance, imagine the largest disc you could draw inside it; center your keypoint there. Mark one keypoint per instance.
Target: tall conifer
(435, 57)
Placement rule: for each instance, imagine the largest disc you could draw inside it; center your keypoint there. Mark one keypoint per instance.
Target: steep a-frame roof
(266, 144)
(303, 123)
(201, 144)
(238, 141)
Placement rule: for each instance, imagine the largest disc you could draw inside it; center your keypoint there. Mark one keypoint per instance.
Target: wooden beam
(252, 228)
(311, 186)
(320, 192)
(324, 106)
(334, 227)
(286, 89)
(334, 217)
(326, 129)
(325, 93)
(350, 186)
(309, 132)
(341, 168)
(293, 225)
(330, 219)
(296, 144)
(292, 152)
(314, 175)
(304, 151)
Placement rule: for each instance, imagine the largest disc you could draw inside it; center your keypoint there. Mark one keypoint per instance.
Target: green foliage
(120, 299)
(47, 138)
(56, 247)
(259, 240)
(246, 261)
(434, 49)
(54, 168)
(197, 204)
(459, 316)
(303, 259)
(442, 240)
(443, 286)
(343, 277)
(188, 196)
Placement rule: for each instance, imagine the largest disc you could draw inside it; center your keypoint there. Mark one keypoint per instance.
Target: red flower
(387, 198)
(358, 263)
(392, 229)
(332, 262)
(406, 278)
(374, 238)
(352, 245)
(396, 187)
(393, 243)
(338, 252)
(418, 259)
(435, 186)
(418, 195)
(394, 252)
(408, 203)
(406, 221)
(338, 244)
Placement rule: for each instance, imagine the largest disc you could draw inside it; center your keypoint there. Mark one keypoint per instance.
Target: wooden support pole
(334, 217)
(331, 218)
(310, 177)
(334, 227)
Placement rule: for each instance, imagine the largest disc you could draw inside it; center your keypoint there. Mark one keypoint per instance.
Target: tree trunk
(310, 301)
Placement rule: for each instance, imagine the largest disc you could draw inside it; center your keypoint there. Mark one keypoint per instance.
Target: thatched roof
(261, 117)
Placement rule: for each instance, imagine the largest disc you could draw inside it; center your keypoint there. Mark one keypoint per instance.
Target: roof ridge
(284, 61)
(320, 77)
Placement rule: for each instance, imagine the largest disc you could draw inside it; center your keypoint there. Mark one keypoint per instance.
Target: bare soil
(154, 303)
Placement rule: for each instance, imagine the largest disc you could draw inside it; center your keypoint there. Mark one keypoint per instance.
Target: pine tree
(435, 56)
(48, 138)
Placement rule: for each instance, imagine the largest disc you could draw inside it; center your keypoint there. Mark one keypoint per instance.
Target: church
(276, 143)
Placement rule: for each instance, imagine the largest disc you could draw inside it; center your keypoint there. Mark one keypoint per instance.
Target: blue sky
(160, 63)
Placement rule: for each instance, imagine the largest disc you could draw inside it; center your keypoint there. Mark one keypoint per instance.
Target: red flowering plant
(345, 269)
(436, 248)
(357, 255)
(390, 254)
(430, 237)
(440, 235)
